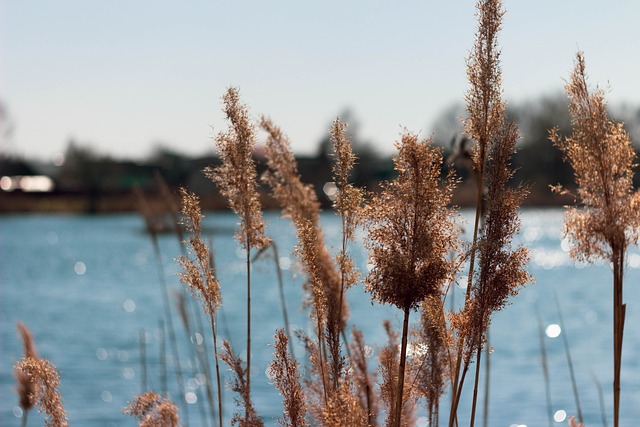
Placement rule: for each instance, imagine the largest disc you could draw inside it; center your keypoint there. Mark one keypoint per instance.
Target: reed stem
(618, 329)
(567, 350)
(545, 368)
(487, 388)
(246, 414)
(143, 362)
(401, 369)
(215, 354)
(170, 328)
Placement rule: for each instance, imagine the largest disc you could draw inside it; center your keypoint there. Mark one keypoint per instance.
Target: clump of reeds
(198, 273)
(324, 282)
(236, 179)
(153, 410)
(410, 232)
(607, 218)
(38, 383)
(496, 269)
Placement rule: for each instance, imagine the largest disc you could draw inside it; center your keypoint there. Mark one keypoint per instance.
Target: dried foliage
(435, 365)
(198, 272)
(26, 388)
(324, 283)
(43, 380)
(296, 199)
(484, 97)
(236, 177)
(501, 268)
(411, 229)
(343, 408)
(602, 156)
(153, 410)
(389, 390)
(607, 219)
(238, 384)
(349, 198)
(284, 372)
(362, 378)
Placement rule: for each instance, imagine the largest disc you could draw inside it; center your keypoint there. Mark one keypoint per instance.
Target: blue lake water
(88, 286)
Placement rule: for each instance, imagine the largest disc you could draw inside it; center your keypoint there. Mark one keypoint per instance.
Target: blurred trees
(94, 176)
(538, 162)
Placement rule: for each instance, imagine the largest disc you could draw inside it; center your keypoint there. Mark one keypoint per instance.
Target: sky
(125, 77)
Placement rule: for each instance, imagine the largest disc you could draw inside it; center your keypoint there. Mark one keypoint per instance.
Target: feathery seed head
(602, 156)
(153, 410)
(198, 272)
(411, 228)
(236, 177)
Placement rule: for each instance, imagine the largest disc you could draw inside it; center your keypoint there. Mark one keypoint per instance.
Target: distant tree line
(97, 178)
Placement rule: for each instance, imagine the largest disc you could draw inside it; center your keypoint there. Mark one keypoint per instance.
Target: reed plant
(38, 383)
(324, 286)
(496, 268)
(236, 180)
(199, 275)
(152, 232)
(411, 230)
(606, 219)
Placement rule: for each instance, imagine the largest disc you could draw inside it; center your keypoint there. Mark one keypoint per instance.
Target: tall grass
(411, 232)
(606, 219)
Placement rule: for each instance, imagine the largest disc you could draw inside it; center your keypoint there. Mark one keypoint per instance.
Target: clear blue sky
(123, 75)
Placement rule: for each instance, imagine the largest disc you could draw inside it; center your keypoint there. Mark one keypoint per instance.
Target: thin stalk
(143, 362)
(401, 369)
(196, 355)
(567, 351)
(603, 412)
(201, 351)
(215, 355)
(344, 254)
(246, 413)
(322, 352)
(487, 368)
(545, 369)
(24, 418)
(475, 386)
(618, 328)
(457, 385)
(170, 328)
(283, 303)
(163, 362)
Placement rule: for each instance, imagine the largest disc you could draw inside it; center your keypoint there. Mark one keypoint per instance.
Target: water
(88, 286)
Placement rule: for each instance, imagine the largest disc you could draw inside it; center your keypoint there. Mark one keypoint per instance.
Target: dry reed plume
(239, 384)
(324, 282)
(236, 180)
(199, 273)
(348, 205)
(38, 383)
(607, 218)
(410, 232)
(284, 372)
(496, 270)
(153, 410)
